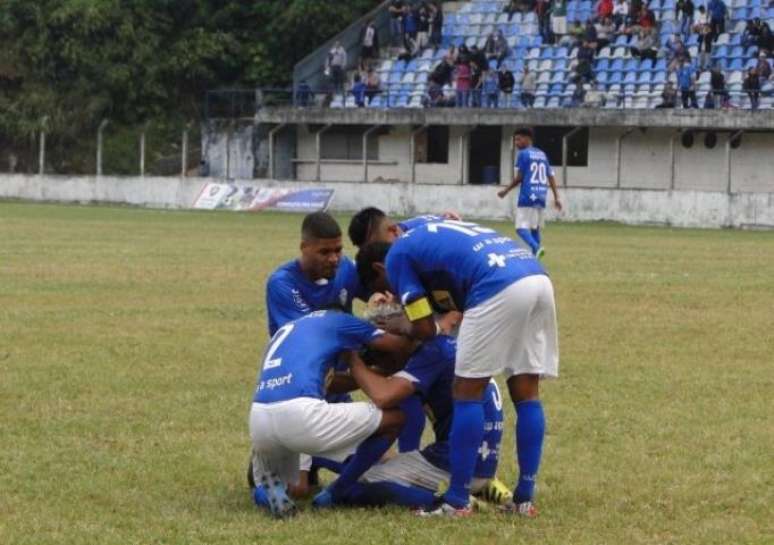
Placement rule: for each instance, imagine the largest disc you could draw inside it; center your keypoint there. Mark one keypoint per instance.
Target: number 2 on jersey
(282, 333)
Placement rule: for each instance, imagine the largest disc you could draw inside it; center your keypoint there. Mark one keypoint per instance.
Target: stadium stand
(617, 78)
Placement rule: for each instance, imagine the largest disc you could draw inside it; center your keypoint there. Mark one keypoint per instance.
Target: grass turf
(129, 342)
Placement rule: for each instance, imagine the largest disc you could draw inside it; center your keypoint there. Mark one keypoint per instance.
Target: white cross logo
(484, 451)
(533, 197)
(496, 259)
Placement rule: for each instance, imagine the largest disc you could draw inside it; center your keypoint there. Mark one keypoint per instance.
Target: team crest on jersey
(343, 296)
(298, 299)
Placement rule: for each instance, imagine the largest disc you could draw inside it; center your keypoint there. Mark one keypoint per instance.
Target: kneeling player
(290, 416)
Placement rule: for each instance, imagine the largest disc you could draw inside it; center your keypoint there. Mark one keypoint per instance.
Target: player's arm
(342, 383)
(424, 324)
(515, 183)
(385, 392)
(282, 304)
(555, 191)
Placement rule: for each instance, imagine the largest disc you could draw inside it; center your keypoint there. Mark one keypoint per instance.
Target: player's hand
(449, 321)
(558, 205)
(451, 215)
(502, 193)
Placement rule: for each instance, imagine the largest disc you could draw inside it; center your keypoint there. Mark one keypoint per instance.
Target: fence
(152, 148)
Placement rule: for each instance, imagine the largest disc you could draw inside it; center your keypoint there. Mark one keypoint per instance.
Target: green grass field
(129, 342)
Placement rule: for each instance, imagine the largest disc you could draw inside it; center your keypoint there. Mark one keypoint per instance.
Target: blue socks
(526, 236)
(467, 432)
(388, 492)
(536, 235)
(411, 435)
(367, 454)
(530, 429)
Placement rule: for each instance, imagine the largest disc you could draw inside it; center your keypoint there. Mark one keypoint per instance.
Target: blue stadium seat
(735, 64)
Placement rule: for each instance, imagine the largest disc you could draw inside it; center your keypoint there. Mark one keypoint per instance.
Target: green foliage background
(79, 61)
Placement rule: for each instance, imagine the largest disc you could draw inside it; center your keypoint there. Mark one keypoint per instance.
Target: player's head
(321, 245)
(370, 266)
(523, 137)
(372, 225)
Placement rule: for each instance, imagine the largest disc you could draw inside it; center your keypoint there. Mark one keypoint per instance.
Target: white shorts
(528, 217)
(413, 469)
(513, 332)
(281, 431)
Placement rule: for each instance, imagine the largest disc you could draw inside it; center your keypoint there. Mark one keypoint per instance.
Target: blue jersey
(431, 370)
(291, 295)
(457, 265)
(535, 171)
(419, 221)
(301, 356)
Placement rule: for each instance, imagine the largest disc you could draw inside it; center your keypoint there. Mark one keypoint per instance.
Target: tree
(79, 61)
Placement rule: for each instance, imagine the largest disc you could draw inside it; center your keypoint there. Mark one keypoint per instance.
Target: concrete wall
(646, 161)
(633, 206)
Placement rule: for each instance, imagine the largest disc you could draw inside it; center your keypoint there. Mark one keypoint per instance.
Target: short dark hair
(375, 252)
(319, 225)
(363, 223)
(524, 131)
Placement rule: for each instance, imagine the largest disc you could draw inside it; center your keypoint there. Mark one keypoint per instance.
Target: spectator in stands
(575, 34)
(752, 85)
(763, 68)
(604, 9)
(701, 20)
(686, 80)
(303, 94)
(491, 89)
(443, 73)
(605, 31)
(583, 69)
(709, 101)
(359, 91)
(646, 46)
(369, 45)
(543, 12)
(644, 19)
(436, 25)
(620, 13)
(410, 28)
(462, 75)
(528, 88)
(409, 50)
(559, 17)
(704, 30)
(590, 33)
(668, 96)
(717, 11)
(423, 25)
(496, 47)
(373, 85)
(463, 54)
(757, 33)
(396, 21)
(336, 66)
(476, 83)
(506, 83)
(676, 53)
(718, 84)
(477, 55)
(750, 34)
(685, 10)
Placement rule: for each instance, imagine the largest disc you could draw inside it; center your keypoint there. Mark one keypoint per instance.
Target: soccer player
(321, 278)
(508, 325)
(535, 175)
(372, 225)
(290, 416)
(413, 478)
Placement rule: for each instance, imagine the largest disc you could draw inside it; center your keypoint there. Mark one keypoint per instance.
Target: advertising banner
(254, 198)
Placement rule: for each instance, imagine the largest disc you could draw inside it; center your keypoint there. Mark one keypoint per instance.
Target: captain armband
(418, 309)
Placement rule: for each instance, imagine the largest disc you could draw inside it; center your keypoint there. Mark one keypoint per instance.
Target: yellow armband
(418, 309)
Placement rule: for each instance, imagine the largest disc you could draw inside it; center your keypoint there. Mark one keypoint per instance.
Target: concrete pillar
(366, 134)
(100, 132)
(619, 141)
(142, 147)
(184, 153)
(566, 139)
(273, 132)
(731, 138)
(318, 146)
